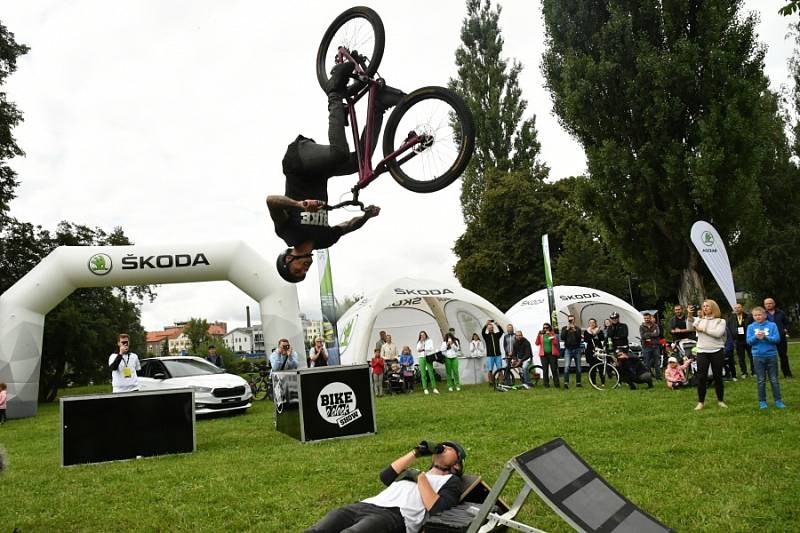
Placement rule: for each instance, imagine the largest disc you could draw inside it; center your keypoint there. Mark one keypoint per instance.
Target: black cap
(614, 315)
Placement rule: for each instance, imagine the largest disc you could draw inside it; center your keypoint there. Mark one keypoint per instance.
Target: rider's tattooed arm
(277, 202)
(355, 223)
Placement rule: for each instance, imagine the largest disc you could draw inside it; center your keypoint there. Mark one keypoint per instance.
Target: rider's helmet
(285, 258)
(462, 454)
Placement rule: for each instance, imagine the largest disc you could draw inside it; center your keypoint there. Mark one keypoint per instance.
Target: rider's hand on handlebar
(312, 205)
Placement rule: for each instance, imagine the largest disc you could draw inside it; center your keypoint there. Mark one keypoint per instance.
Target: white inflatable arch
(23, 306)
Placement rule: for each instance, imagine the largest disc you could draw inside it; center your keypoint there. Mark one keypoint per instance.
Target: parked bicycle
(262, 384)
(510, 376)
(429, 136)
(604, 374)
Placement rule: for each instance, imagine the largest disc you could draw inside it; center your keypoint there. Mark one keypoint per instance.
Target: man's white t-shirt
(405, 495)
(125, 378)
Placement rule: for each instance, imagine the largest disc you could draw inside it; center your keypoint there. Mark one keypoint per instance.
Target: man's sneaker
(426, 391)
(779, 404)
(389, 97)
(526, 386)
(339, 76)
(762, 405)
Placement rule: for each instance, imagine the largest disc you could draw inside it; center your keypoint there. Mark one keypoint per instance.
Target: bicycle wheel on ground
(444, 121)
(535, 374)
(260, 392)
(504, 379)
(604, 377)
(357, 29)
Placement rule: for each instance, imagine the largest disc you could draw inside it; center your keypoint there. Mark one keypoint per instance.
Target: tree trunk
(691, 290)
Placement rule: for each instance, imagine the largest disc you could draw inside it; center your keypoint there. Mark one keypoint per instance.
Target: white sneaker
(722, 404)
(436, 391)
(450, 389)
(699, 406)
(458, 388)
(526, 386)
(426, 391)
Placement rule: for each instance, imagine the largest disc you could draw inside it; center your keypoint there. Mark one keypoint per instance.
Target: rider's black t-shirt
(294, 225)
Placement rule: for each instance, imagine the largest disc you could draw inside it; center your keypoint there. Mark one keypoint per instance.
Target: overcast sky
(170, 119)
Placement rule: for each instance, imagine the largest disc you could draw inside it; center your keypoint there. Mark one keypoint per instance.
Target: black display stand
(324, 403)
(109, 427)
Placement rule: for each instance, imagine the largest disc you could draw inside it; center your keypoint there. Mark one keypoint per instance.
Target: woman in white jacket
(424, 349)
(711, 331)
(476, 348)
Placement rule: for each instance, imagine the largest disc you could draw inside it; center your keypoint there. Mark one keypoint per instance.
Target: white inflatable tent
(531, 312)
(406, 306)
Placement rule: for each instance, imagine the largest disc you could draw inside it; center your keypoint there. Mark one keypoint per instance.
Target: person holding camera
(124, 364)
(283, 358)
(409, 496)
(711, 332)
(492, 337)
(572, 336)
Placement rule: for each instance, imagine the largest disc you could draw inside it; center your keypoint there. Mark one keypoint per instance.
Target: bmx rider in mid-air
(300, 217)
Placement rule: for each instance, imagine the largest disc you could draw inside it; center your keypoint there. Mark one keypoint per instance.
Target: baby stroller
(394, 377)
(686, 350)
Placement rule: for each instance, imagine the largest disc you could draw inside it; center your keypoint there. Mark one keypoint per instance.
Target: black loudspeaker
(110, 427)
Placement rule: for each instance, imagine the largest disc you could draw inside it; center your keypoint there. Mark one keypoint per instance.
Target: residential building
(177, 341)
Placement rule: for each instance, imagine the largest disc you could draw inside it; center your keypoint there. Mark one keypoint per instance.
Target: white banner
(708, 242)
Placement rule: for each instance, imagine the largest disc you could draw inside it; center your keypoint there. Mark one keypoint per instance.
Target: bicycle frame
(366, 172)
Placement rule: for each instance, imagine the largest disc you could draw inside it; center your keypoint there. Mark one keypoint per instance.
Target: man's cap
(614, 315)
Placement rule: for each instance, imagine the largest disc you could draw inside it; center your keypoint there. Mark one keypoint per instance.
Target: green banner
(328, 306)
(548, 277)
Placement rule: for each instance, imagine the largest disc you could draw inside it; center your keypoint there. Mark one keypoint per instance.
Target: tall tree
(197, 331)
(10, 116)
(671, 104)
(503, 139)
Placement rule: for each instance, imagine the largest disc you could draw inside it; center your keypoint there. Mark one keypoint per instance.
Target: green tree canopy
(671, 104)
(197, 331)
(503, 139)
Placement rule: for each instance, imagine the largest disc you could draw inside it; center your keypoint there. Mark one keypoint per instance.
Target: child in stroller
(395, 379)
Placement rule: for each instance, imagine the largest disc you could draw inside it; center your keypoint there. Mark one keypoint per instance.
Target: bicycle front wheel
(504, 379)
(259, 390)
(357, 29)
(444, 123)
(604, 377)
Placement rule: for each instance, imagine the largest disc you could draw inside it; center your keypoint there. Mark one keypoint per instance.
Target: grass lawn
(715, 470)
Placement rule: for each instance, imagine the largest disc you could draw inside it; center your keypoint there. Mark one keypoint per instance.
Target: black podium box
(324, 403)
(109, 427)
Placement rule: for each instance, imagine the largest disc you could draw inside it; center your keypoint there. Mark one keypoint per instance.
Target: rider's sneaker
(339, 76)
(526, 386)
(388, 97)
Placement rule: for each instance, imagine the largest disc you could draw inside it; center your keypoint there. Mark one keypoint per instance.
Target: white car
(215, 391)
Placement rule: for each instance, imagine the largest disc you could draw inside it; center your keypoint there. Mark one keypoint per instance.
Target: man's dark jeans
(361, 518)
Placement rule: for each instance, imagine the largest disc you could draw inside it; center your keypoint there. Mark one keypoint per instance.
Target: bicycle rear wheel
(504, 379)
(442, 117)
(357, 29)
(604, 377)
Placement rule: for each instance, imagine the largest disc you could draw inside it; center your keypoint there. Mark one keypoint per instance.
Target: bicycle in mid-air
(429, 136)
(510, 376)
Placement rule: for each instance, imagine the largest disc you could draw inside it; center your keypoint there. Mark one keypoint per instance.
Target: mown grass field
(716, 470)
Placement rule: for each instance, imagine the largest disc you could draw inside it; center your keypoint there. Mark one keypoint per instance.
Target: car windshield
(180, 368)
